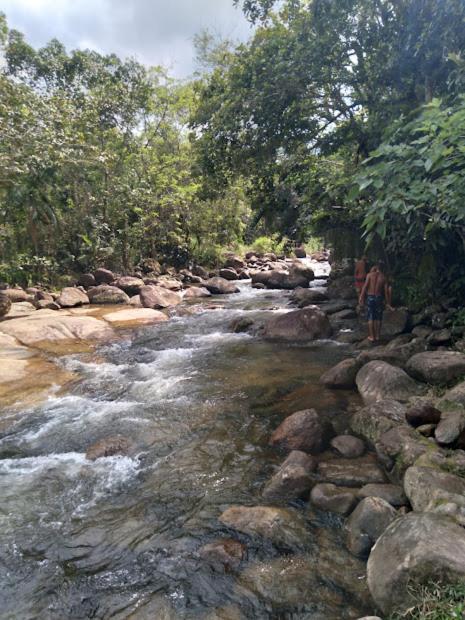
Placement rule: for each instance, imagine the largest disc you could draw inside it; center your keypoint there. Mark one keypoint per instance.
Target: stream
(119, 537)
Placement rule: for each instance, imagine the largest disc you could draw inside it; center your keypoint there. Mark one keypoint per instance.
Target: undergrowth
(435, 601)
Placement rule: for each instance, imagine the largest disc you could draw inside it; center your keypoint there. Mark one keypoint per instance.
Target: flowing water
(119, 537)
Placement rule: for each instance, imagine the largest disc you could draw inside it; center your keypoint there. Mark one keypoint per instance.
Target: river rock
(347, 446)
(197, 292)
(43, 304)
(451, 429)
(135, 316)
(229, 274)
(227, 553)
(293, 478)
(390, 493)
(5, 304)
(158, 297)
(242, 325)
(87, 280)
(299, 325)
(71, 297)
(395, 322)
(343, 375)
(351, 473)
(150, 265)
(197, 270)
(282, 526)
(105, 294)
(379, 381)
(414, 548)
(437, 367)
(422, 412)
(16, 295)
(220, 286)
(280, 279)
(39, 330)
(366, 524)
(169, 283)
(374, 420)
(234, 262)
(401, 446)
(22, 309)
(337, 305)
(342, 288)
(431, 490)
(104, 276)
(300, 252)
(331, 498)
(308, 296)
(455, 396)
(111, 446)
(131, 286)
(440, 338)
(304, 431)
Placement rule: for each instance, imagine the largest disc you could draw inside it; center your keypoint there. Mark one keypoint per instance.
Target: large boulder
(229, 274)
(71, 297)
(391, 493)
(300, 251)
(280, 279)
(199, 271)
(343, 375)
(380, 381)
(351, 473)
(376, 419)
(342, 288)
(5, 304)
(416, 548)
(331, 498)
(422, 412)
(437, 367)
(299, 325)
(281, 526)
(395, 322)
(158, 297)
(130, 285)
(104, 294)
(304, 431)
(293, 478)
(104, 276)
(150, 265)
(16, 295)
(197, 292)
(366, 524)
(235, 262)
(220, 286)
(451, 429)
(42, 330)
(401, 446)
(303, 297)
(87, 280)
(432, 490)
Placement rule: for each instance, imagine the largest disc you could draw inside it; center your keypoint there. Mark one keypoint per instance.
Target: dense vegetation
(342, 115)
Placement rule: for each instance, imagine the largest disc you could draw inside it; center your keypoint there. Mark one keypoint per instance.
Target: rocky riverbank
(394, 480)
(399, 479)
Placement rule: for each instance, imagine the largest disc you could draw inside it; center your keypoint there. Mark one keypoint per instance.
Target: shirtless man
(377, 292)
(360, 274)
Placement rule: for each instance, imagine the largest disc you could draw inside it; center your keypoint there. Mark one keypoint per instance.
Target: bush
(274, 244)
(435, 601)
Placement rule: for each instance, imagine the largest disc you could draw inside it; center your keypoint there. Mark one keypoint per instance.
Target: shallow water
(119, 537)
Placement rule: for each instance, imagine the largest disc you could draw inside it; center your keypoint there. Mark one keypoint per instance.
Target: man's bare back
(376, 284)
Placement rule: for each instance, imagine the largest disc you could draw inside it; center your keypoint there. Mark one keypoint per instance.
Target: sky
(155, 32)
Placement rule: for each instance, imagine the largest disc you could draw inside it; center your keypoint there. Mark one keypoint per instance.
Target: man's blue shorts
(375, 307)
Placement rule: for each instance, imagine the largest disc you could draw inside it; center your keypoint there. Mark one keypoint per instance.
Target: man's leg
(371, 331)
(377, 329)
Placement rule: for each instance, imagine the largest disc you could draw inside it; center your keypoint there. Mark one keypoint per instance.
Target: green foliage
(435, 601)
(264, 244)
(97, 166)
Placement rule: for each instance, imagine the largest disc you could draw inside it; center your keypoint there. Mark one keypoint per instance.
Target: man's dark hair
(381, 266)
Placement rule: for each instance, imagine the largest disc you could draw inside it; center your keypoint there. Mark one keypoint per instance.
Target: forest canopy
(339, 115)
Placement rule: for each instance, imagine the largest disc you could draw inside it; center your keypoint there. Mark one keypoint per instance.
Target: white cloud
(153, 31)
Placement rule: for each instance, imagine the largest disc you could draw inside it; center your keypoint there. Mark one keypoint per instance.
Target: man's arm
(361, 299)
